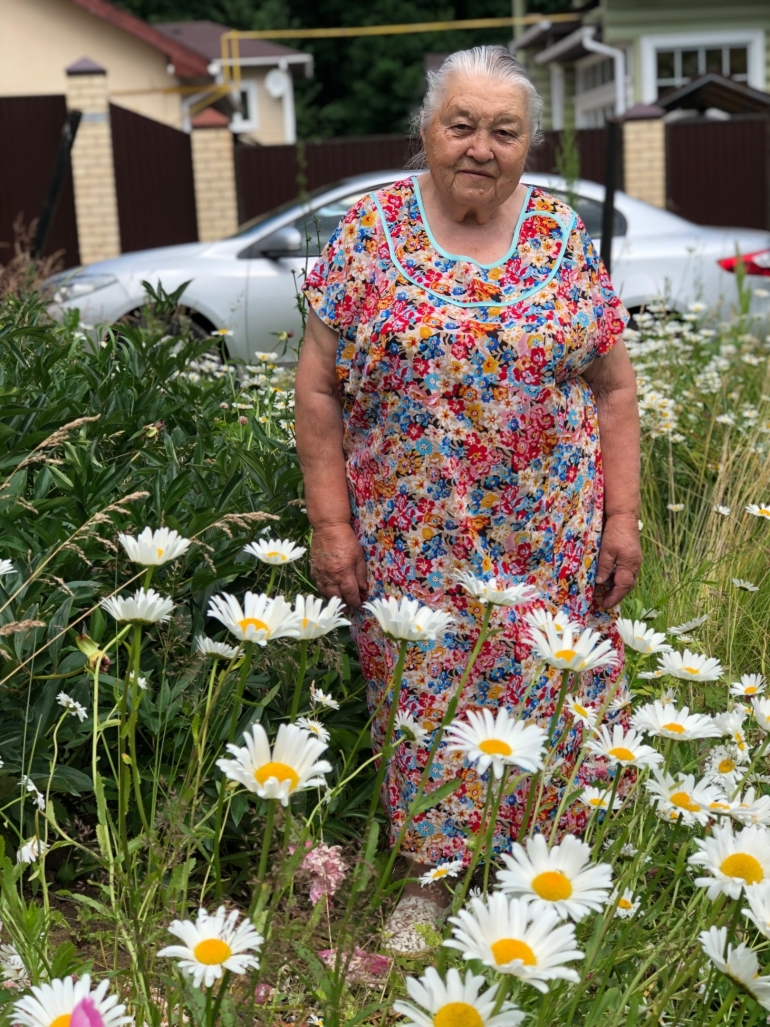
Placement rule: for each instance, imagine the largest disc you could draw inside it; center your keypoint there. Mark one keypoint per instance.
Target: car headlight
(63, 288)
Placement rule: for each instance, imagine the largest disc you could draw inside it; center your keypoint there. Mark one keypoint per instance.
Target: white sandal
(400, 935)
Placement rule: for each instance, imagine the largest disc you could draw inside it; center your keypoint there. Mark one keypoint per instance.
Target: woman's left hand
(620, 558)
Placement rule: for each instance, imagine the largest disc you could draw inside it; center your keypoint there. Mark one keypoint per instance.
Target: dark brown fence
(154, 182)
(718, 172)
(270, 175)
(30, 131)
(591, 147)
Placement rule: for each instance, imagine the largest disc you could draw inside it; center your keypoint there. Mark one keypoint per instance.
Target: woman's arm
(336, 557)
(613, 384)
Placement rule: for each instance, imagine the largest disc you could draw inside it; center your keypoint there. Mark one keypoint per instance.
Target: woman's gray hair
(494, 62)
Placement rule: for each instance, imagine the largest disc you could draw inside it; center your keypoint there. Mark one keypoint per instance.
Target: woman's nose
(480, 148)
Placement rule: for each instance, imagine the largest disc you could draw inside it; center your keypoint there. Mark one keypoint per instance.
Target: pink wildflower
(85, 1014)
(326, 869)
(262, 994)
(362, 967)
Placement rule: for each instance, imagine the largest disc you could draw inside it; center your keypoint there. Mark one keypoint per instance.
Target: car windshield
(263, 220)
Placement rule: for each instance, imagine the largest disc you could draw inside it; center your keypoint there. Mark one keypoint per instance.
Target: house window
(594, 75)
(248, 118)
(680, 64)
(594, 91)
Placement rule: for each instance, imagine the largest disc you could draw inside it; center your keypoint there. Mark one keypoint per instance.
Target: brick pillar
(93, 171)
(644, 154)
(213, 155)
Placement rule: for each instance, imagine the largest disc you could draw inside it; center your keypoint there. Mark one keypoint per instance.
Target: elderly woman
(462, 360)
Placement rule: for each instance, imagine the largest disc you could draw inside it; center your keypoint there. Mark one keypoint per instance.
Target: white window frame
(600, 98)
(752, 39)
(240, 124)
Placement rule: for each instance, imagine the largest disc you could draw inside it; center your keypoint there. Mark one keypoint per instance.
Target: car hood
(148, 260)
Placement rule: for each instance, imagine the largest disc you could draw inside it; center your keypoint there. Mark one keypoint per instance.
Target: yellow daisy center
(685, 801)
(726, 766)
(565, 654)
(552, 885)
(457, 1014)
(625, 904)
(692, 670)
(276, 552)
(743, 865)
(160, 552)
(439, 872)
(281, 771)
(61, 1021)
(719, 805)
(580, 709)
(506, 950)
(212, 951)
(253, 622)
(749, 690)
(595, 802)
(621, 753)
(675, 729)
(495, 747)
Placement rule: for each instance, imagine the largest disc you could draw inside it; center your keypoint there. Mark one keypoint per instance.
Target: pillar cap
(643, 112)
(86, 66)
(209, 118)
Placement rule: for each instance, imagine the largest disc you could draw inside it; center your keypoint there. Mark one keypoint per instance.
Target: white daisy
(31, 850)
(627, 905)
(54, 1003)
(154, 548)
(738, 962)
(598, 798)
(675, 507)
(457, 1003)
(261, 618)
(495, 593)
(690, 666)
(758, 898)
(12, 967)
(567, 651)
(735, 861)
(664, 721)
(636, 635)
(321, 698)
(650, 675)
(439, 873)
(682, 797)
(723, 767)
(208, 647)
(561, 878)
(750, 808)
(6, 567)
(542, 620)
(622, 747)
(512, 937)
(407, 620)
(498, 741)
(689, 625)
(758, 510)
(292, 766)
(746, 586)
(750, 684)
(731, 724)
(409, 729)
(213, 944)
(315, 727)
(29, 784)
(723, 510)
(761, 709)
(315, 619)
(275, 551)
(587, 715)
(146, 606)
(71, 706)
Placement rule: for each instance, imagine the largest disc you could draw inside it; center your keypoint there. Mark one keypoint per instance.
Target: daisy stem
(490, 836)
(502, 994)
(267, 838)
(398, 673)
(271, 582)
(760, 752)
(729, 999)
(462, 890)
(565, 676)
(602, 829)
(218, 1001)
(300, 679)
(132, 720)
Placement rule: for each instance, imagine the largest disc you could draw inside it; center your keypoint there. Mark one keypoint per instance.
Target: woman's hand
(620, 557)
(337, 564)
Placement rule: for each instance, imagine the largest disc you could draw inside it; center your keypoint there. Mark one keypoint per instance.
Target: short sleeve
(601, 305)
(340, 283)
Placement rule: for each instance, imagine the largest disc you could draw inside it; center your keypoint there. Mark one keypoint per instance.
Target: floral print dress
(471, 443)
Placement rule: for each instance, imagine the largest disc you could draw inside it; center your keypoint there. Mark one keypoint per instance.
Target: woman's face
(477, 142)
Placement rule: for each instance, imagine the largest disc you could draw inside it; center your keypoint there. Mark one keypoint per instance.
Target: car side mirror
(284, 242)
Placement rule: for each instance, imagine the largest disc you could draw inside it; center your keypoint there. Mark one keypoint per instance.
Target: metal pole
(55, 186)
(611, 169)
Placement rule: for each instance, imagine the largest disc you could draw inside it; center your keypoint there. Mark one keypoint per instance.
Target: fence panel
(30, 131)
(592, 148)
(270, 175)
(154, 182)
(718, 172)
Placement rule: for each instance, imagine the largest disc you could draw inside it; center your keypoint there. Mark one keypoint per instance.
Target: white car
(248, 284)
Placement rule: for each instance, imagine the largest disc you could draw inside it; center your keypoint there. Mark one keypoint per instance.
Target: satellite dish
(277, 83)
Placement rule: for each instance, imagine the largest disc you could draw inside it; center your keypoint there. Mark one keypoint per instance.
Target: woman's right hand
(337, 564)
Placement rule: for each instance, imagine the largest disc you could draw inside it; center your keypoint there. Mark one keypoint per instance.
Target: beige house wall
(271, 129)
(40, 38)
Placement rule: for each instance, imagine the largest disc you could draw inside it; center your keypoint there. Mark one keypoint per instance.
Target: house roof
(714, 90)
(187, 61)
(205, 38)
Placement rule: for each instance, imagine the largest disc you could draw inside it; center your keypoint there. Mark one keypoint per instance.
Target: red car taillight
(754, 263)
